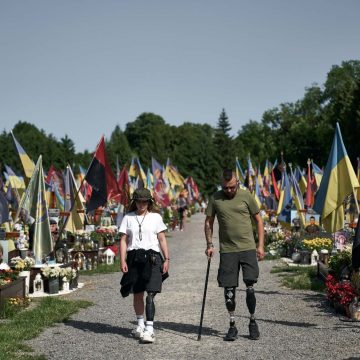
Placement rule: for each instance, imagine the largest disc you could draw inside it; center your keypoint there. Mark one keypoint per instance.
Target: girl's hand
(124, 267)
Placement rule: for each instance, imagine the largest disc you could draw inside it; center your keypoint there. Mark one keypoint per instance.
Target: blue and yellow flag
(239, 171)
(318, 173)
(136, 170)
(299, 175)
(15, 181)
(338, 181)
(73, 203)
(157, 170)
(27, 163)
(298, 198)
(34, 204)
(285, 202)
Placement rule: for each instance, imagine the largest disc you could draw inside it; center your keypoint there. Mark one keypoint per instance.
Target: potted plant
(340, 294)
(11, 285)
(51, 275)
(340, 264)
(23, 266)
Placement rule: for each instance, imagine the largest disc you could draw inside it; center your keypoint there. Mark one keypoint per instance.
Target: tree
(223, 142)
(148, 136)
(342, 99)
(118, 148)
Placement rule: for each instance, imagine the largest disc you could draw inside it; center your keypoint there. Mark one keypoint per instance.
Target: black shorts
(154, 284)
(230, 264)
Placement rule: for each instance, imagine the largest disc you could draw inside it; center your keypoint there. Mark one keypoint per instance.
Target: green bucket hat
(142, 194)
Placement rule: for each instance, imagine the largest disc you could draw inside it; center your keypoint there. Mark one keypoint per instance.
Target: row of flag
(98, 186)
(95, 187)
(323, 191)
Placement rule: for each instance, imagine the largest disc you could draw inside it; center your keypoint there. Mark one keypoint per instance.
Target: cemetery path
(293, 324)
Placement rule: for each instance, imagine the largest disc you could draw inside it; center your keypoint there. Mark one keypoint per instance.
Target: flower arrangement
(317, 244)
(51, 272)
(341, 292)
(22, 264)
(340, 261)
(68, 272)
(7, 276)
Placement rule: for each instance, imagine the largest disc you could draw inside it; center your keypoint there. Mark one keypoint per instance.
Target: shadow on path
(188, 331)
(286, 323)
(99, 328)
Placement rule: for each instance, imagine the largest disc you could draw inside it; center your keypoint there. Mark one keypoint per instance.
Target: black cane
(204, 298)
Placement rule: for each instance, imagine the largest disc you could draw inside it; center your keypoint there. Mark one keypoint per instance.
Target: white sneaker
(138, 332)
(148, 337)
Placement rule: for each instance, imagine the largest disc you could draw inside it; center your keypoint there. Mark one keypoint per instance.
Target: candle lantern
(38, 284)
(109, 256)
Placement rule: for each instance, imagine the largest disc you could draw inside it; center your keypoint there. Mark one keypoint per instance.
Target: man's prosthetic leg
(251, 305)
(229, 293)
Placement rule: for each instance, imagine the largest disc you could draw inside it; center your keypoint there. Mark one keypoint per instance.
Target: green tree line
(301, 130)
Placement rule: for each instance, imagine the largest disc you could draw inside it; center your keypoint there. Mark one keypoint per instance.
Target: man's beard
(230, 195)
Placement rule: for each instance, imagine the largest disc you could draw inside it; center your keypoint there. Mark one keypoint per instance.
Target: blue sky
(81, 67)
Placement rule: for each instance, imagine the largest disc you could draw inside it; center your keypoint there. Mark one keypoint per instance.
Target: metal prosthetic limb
(251, 301)
(229, 294)
(150, 306)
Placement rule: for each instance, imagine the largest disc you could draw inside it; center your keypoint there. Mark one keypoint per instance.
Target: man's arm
(208, 229)
(260, 230)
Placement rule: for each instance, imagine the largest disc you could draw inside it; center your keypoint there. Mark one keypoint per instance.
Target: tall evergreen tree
(223, 142)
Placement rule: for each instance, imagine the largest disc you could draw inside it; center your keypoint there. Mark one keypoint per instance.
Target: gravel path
(293, 324)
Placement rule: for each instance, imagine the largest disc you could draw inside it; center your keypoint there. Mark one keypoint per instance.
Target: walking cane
(204, 298)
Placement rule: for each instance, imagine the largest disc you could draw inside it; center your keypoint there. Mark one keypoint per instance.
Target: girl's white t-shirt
(151, 224)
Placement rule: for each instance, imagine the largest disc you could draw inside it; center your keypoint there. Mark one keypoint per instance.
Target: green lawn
(301, 278)
(29, 323)
(103, 268)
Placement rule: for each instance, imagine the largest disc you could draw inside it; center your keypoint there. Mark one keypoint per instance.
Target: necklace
(140, 223)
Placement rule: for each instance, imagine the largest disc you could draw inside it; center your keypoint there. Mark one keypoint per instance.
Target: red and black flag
(101, 179)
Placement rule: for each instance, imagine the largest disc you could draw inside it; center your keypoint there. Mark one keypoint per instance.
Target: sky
(81, 67)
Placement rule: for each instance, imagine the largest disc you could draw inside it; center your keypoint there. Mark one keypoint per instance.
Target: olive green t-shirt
(234, 218)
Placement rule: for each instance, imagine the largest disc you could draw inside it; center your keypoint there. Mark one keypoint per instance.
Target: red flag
(193, 186)
(309, 201)
(276, 189)
(55, 179)
(101, 179)
(124, 187)
(160, 194)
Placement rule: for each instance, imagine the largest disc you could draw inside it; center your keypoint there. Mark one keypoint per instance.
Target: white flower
(51, 272)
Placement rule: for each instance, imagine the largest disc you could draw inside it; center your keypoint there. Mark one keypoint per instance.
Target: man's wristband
(210, 245)
(167, 259)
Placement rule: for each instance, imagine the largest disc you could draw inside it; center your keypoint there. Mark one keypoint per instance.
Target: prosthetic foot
(231, 334)
(254, 330)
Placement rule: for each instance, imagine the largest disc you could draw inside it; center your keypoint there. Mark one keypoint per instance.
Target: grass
(29, 323)
(300, 278)
(103, 268)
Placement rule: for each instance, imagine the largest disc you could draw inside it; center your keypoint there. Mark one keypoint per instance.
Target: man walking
(234, 209)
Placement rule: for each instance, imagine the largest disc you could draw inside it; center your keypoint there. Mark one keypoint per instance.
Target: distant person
(235, 209)
(181, 208)
(312, 228)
